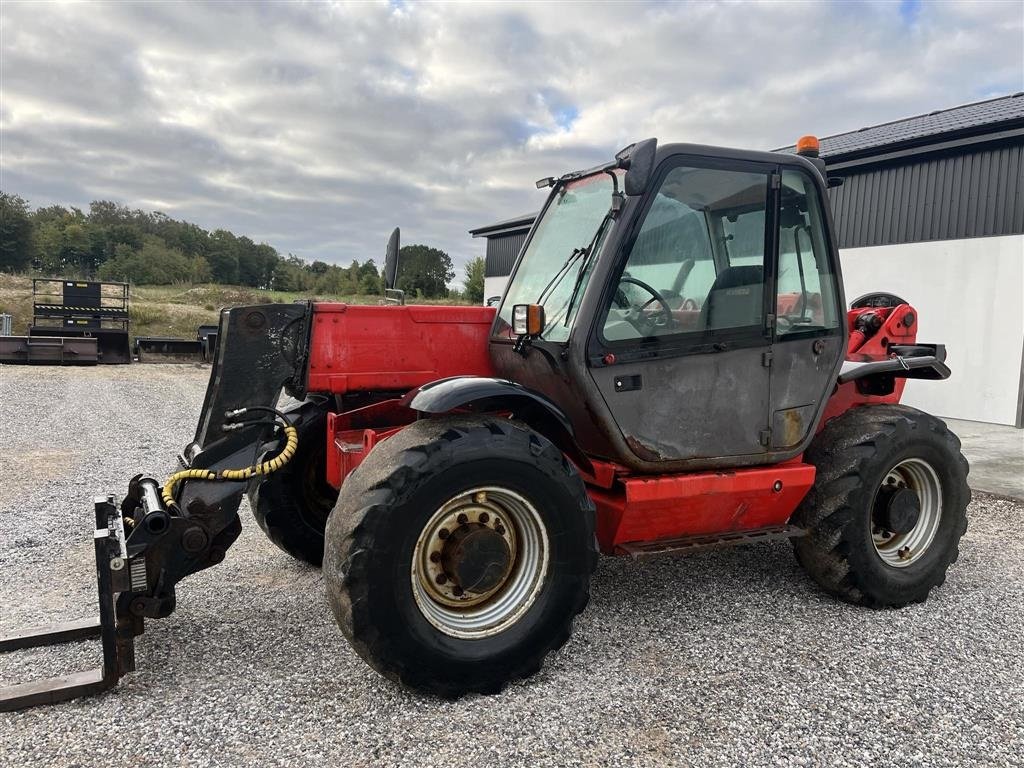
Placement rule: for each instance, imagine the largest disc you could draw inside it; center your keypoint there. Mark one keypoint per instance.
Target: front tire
(459, 553)
(292, 505)
(888, 506)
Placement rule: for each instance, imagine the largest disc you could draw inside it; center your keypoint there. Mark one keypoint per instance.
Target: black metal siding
(502, 251)
(969, 193)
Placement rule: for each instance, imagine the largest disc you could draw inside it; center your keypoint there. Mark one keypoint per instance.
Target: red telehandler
(672, 368)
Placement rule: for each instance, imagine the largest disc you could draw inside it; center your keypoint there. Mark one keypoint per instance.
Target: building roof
(515, 224)
(962, 124)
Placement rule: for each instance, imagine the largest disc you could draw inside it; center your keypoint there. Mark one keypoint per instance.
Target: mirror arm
(618, 199)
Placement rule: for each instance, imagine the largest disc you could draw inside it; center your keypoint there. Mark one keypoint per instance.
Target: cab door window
(697, 263)
(806, 285)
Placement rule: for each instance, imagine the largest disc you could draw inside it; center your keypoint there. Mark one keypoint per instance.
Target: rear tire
(293, 504)
(384, 538)
(863, 458)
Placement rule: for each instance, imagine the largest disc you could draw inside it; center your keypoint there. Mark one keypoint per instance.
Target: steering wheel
(636, 316)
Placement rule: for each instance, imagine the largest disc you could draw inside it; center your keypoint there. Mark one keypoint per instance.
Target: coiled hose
(236, 475)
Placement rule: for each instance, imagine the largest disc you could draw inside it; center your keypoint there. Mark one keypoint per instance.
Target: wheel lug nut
(441, 578)
(484, 517)
(500, 529)
(463, 519)
(443, 533)
(435, 557)
(457, 590)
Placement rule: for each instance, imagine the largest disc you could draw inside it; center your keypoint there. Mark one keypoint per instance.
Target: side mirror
(638, 160)
(391, 295)
(391, 259)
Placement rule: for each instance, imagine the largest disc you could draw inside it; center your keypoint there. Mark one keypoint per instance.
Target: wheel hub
(897, 509)
(479, 562)
(476, 558)
(470, 552)
(906, 512)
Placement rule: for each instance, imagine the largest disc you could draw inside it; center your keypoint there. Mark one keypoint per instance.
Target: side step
(685, 545)
(117, 632)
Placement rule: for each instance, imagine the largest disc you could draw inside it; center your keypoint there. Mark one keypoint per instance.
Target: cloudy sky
(317, 127)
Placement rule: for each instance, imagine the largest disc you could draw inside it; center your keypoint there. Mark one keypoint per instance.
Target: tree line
(113, 242)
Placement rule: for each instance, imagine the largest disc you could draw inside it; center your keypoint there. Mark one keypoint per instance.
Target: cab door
(679, 351)
(809, 338)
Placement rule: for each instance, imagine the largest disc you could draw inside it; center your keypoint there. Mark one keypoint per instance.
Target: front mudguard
(484, 394)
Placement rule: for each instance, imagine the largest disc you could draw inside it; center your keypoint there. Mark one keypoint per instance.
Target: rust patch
(644, 452)
(792, 427)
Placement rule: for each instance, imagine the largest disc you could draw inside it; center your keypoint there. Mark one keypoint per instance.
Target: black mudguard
(484, 394)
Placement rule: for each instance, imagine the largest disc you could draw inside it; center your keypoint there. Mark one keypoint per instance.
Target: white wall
(968, 294)
(494, 286)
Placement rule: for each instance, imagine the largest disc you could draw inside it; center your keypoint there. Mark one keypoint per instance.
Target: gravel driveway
(729, 657)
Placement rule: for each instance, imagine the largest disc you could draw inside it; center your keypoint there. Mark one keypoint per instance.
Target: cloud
(319, 127)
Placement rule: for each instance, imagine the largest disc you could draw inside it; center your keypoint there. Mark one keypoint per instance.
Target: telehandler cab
(672, 368)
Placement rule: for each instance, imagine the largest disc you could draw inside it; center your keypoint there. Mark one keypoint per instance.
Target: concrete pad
(996, 454)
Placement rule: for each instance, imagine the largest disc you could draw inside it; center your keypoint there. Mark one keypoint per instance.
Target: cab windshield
(556, 266)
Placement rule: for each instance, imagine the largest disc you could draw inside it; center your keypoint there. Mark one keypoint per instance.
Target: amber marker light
(807, 145)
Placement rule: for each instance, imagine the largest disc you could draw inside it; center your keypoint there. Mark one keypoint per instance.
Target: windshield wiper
(553, 282)
(585, 266)
(613, 213)
(586, 253)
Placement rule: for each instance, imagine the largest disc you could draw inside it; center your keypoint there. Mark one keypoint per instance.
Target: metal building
(504, 241)
(931, 208)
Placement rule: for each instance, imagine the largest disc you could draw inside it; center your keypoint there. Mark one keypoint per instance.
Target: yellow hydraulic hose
(234, 475)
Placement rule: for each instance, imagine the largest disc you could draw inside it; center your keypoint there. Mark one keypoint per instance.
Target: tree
(199, 270)
(223, 257)
(424, 271)
(48, 243)
(153, 264)
(290, 274)
(370, 280)
(268, 260)
(250, 262)
(117, 242)
(76, 252)
(474, 282)
(15, 233)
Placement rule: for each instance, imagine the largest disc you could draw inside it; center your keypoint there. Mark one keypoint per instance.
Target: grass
(170, 310)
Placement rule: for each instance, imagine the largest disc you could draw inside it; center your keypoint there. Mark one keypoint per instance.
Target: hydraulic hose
(236, 475)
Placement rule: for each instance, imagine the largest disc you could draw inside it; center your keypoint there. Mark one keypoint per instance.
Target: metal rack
(83, 309)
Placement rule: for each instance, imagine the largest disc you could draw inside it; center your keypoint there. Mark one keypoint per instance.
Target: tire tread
(845, 454)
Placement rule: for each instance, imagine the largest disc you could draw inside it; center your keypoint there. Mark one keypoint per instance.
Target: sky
(318, 127)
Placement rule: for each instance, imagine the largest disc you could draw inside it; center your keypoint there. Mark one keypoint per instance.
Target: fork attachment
(115, 627)
(260, 350)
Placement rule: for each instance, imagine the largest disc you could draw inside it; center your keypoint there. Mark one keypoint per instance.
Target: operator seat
(735, 298)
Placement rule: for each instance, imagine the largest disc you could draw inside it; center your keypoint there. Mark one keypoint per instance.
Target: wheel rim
(480, 562)
(902, 548)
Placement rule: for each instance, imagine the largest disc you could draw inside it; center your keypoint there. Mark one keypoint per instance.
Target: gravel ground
(729, 657)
